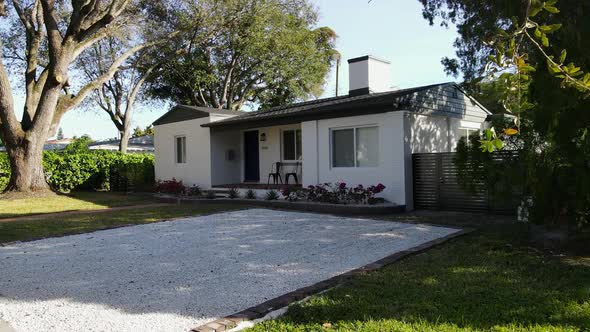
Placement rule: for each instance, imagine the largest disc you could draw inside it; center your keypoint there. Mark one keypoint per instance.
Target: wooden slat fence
(437, 186)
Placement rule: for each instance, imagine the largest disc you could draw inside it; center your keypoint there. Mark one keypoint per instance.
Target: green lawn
(83, 223)
(487, 281)
(72, 202)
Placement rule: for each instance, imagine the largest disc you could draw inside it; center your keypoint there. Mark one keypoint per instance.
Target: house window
(292, 144)
(180, 148)
(355, 147)
(467, 132)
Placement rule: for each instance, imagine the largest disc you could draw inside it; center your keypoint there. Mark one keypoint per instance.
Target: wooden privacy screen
(436, 186)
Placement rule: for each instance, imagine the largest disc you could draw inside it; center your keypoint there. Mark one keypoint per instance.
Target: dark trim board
(367, 57)
(301, 117)
(358, 92)
(184, 113)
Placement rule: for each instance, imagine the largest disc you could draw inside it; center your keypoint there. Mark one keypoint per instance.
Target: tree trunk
(26, 166)
(125, 133)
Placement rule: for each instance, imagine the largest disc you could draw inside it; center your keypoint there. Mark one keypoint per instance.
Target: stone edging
(261, 310)
(347, 209)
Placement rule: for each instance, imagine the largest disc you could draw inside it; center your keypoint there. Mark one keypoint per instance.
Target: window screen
(367, 141)
(343, 148)
(355, 147)
(292, 145)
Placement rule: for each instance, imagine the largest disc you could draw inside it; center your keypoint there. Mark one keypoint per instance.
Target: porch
(257, 158)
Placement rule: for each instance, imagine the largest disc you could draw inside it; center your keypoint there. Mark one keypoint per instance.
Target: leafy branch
(512, 62)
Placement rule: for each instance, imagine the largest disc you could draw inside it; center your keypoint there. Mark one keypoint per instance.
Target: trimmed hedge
(4, 170)
(99, 169)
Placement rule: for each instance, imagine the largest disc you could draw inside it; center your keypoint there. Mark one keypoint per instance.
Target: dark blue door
(251, 157)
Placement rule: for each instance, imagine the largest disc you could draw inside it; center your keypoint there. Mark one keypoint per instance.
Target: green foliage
(4, 171)
(501, 173)
(234, 52)
(138, 132)
(194, 191)
(47, 226)
(60, 134)
(250, 194)
(67, 171)
(78, 145)
(233, 193)
(490, 281)
(542, 74)
(272, 195)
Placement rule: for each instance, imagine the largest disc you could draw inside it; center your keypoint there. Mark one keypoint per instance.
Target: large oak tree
(44, 39)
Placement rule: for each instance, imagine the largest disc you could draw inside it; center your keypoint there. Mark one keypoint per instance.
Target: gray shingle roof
(327, 107)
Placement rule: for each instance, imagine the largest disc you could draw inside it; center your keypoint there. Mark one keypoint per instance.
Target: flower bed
(338, 193)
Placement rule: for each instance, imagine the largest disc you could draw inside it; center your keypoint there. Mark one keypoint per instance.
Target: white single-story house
(366, 137)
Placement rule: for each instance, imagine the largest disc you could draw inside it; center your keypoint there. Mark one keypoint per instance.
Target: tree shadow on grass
(24, 206)
(476, 283)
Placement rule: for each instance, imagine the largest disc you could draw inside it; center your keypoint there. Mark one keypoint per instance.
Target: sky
(393, 30)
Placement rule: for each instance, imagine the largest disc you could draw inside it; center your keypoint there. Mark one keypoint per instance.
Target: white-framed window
(467, 132)
(180, 149)
(355, 147)
(291, 139)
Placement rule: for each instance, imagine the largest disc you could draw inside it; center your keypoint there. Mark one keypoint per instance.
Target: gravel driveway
(172, 276)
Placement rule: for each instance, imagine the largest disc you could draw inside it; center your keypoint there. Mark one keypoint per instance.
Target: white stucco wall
(197, 169)
(429, 134)
(224, 170)
(435, 133)
(390, 171)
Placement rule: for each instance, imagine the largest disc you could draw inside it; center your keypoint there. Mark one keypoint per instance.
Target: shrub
(323, 193)
(339, 193)
(194, 191)
(211, 194)
(250, 194)
(170, 187)
(233, 193)
(271, 195)
(292, 195)
(86, 169)
(4, 171)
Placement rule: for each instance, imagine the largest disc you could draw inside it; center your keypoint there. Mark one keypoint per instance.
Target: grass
(487, 281)
(59, 226)
(61, 203)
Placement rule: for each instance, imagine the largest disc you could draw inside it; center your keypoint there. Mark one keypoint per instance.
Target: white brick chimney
(368, 74)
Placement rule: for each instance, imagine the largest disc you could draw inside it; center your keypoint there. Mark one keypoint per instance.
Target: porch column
(309, 140)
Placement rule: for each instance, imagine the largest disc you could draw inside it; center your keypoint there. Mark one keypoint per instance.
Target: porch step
(219, 192)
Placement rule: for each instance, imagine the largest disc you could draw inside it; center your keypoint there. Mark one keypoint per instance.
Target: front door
(251, 157)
